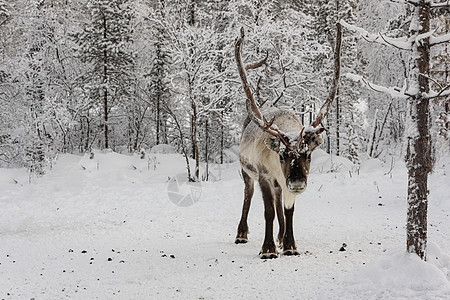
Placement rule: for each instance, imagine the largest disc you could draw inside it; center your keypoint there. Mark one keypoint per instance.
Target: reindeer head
(295, 157)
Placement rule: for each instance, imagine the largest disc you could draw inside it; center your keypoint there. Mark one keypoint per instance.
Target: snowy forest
(129, 75)
(102, 102)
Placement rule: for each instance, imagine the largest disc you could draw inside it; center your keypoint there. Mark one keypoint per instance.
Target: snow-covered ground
(106, 228)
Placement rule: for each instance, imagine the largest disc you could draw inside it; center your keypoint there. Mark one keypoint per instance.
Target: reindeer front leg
(268, 249)
(242, 231)
(289, 247)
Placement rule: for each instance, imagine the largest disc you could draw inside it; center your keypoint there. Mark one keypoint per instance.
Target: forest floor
(108, 228)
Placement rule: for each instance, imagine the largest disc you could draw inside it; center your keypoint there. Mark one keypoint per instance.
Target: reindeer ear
(315, 141)
(272, 143)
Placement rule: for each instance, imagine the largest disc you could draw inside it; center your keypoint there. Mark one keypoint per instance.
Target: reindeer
(277, 154)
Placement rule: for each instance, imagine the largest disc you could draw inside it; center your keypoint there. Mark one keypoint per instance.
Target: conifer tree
(105, 45)
(158, 86)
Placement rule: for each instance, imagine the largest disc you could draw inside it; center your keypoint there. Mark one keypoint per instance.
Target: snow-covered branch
(442, 93)
(412, 2)
(401, 43)
(440, 5)
(394, 92)
(434, 40)
(432, 4)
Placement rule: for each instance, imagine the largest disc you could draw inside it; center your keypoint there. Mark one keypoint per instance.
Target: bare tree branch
(257, 64)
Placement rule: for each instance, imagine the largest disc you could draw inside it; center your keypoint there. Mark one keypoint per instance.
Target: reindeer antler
(253, 111)
(323, 112)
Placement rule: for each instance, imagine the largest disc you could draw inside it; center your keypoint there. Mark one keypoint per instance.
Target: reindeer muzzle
(296, 186)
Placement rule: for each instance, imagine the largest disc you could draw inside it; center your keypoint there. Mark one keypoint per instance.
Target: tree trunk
(105, 108)
(328, 135)
(222, 138)
(105, 89)
(383, 125)
(165, 139)
(183, 145)
(207, 149)
(158, 97)
(158, 120)
(338, 121)
(419, 160)
(194, 137)
(374, 133)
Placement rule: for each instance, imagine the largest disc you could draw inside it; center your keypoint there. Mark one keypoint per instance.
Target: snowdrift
(106, 227)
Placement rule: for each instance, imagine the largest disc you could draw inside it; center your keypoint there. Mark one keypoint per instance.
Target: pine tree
(105, 44)
(158, 85)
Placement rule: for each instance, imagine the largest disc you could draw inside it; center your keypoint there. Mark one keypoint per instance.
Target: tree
(4, 13)
(418, 94)
(386, 116)
(345, 121)
(196, 84)
(35, 82)
(105, 44)
(440, 70)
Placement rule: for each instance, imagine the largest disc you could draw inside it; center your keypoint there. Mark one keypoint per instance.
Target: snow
(442, 93)
(106, 228)
(230, 155)
(404, 275)
(323, 162)
(401, 43)
(394, 92)
(163, 149)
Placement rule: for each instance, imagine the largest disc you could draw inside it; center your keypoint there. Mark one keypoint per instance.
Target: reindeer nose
(296, 186)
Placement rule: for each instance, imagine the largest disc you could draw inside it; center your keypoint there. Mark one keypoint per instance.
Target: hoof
(268, 255)
(291, 252)
(240, 240)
